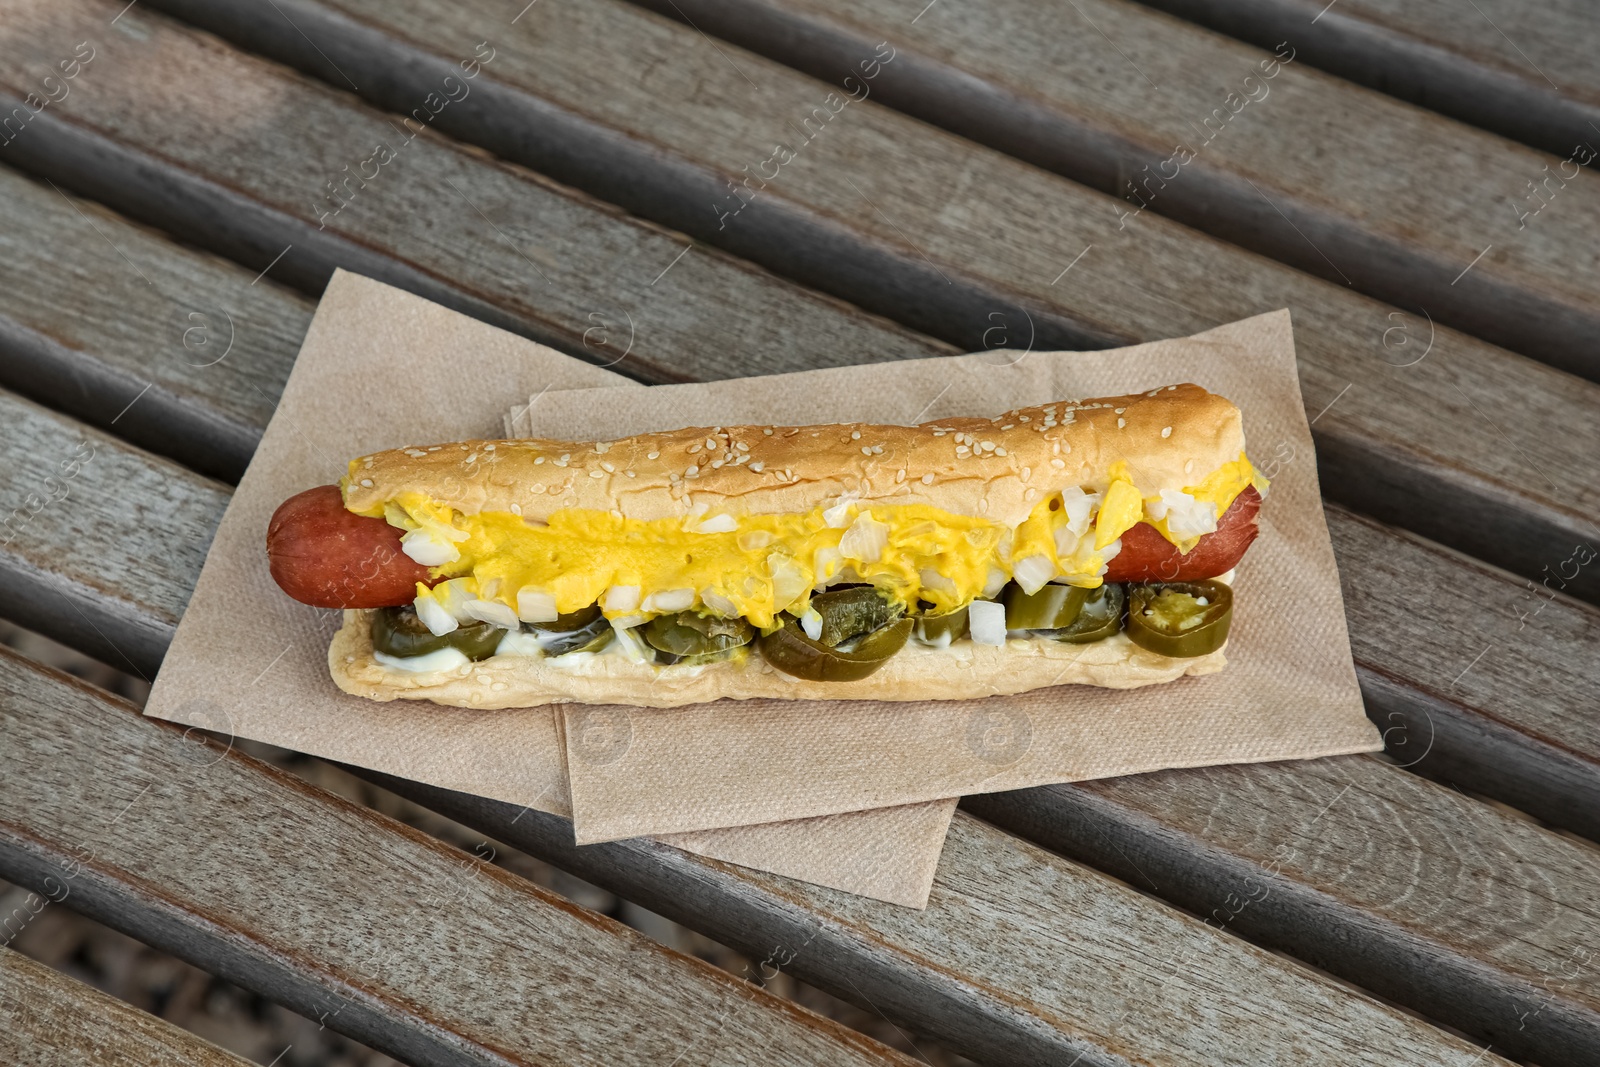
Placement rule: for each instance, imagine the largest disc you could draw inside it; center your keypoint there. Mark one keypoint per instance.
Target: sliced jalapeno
(572, 620)
(1100, 617)
(691, 637)
(1051, 608)
(592, 636)
(1180, 619)
(941, 630)
(792, 652)
(852, 611)
(398, 632)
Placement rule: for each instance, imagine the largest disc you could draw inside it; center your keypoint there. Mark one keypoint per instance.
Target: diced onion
(1186, 517)
(428, 548)
(535, 605)
(669, 600)
(788, 580)
(838, 516)
(492, 612)
(1079, 507)
(997, 581)
(825, 564)
(1066, 542)
(865, 540)
(986, 619)
(811, 623)
(1110, 552)
(631, 645)
(755, 540)
(932, 579)
(1032, 573)
(718, 524)
(718, 603)
(455, 595)
(621, 598)
(626, 622)
(438, 621)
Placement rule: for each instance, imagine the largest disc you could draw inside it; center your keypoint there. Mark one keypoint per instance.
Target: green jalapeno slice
(1180, 619)
(792, 652)
(1051, 608)
(592, 636)
(689, 637)
(1100, 617)
(852, 611)
(940, 630)
(398, 632)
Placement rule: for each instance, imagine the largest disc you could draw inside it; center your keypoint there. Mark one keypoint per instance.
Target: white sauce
(444, 659)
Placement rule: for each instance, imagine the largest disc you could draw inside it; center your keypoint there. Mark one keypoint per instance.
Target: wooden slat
(1526, 71)
(350, 918)
(1020, 958)
(100, 543)
(181, 352)
(1393, 200)
(234, 155)
(55, 1021)
(1476, 917)
(189, 512)
(960, 241)
(1474, 676)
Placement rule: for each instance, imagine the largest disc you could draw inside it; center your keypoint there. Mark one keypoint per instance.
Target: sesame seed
(988, 446)
(472, 458)
(565, 456)
(600, 448)
(366, 483)
(900, 475)
(711, 442)
(1030, 495)
(537, 460)
(767, 431)
(1121, 410)
(1166, 431)
(938, 433)
(597, 474)
(877, 450)
(927, 479)
(488, 448)
(865, 451)
(999, 451)
(1058, 464)
(758, 466)
(1121, 423)
(1188, 467)
(1008, 426)
(717, 463)
(629, 474)
(983, 505)
(609, 469)
(652, 455)
(963, 451)
(1022, 418)
(693, 470)
(516, 509)
(742, 447)
(694, 448)
(855, 435)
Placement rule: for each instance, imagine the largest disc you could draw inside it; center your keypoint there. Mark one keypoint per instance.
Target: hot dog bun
(1168, 438)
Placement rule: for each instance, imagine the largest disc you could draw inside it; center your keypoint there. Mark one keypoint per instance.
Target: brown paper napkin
(1289, 690)
(381, 368)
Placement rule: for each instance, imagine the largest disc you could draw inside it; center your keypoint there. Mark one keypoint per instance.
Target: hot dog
(1073, 542)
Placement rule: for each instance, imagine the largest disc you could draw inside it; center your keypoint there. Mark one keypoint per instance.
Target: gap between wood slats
(1412, 52)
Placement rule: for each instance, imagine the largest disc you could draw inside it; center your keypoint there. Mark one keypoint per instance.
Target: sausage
(1146, 556)
(328, 557)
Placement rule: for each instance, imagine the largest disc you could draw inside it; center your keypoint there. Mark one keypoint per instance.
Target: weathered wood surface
(100, 543)
(237, 155)
(968, 244)
(348, 917)
(55, 1021)
(1020, 958)
(180, 352)
(1473, 916)
(1347, 184)
(189, 516)
(1474, 676)
(1527, 71)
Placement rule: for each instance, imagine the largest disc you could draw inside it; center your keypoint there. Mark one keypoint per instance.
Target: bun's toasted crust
(993, 468)
(963, 671)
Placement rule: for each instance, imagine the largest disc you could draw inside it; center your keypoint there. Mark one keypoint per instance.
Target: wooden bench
(1443, 904)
